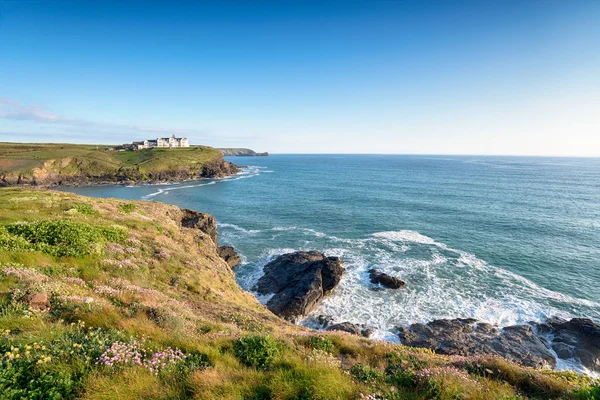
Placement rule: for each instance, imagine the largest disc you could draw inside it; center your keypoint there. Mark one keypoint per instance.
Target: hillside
(241, 152)
(67, 164)
(112, 299)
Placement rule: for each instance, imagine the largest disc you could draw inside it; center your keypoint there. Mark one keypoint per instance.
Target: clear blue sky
(436, 77)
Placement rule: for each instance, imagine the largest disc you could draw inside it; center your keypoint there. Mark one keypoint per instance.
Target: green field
(112, 299)
(49, 164)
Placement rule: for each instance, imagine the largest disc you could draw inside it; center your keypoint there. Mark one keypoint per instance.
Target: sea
(505, 240)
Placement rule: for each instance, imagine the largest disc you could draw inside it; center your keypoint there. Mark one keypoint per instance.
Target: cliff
(58, 164)
(242, 153)
(112, 299)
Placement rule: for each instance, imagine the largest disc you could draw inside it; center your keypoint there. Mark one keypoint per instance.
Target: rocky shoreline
(217, 169)
(299, 281)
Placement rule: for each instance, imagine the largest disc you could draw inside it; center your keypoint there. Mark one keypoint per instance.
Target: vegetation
(106, 299)
(49, 164)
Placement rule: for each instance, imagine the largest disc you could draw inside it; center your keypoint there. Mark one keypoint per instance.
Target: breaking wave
(247, 172)
(441, 282)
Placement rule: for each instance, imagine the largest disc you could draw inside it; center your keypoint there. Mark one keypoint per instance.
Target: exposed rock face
(197, 220)
(578, 338)
(384, 279)
(299, 281)
(467, 337)
(355, 329)
(229, 254)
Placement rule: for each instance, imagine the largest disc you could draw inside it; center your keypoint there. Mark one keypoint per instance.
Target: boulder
(38, 301)
(384, 279)
(298, 282)
(468, 337)
(197, 220)
(578, 338)
(229, 254)
(355, 329)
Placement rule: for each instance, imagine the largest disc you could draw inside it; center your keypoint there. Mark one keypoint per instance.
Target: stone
(355, 329)
(578, 338)
(384, 279)
(468, 337)
(201, 221)
(39, 301)
(229, 254)
(298, 282)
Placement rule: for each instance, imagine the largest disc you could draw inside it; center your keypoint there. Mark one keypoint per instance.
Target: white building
(169, 142)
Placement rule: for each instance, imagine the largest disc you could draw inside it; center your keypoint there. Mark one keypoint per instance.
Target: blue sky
(447, 77)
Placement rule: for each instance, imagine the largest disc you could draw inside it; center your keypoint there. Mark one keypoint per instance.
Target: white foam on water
(441, 282)
(247, 172)
(405, 236)
(161, 191)
(238, 228)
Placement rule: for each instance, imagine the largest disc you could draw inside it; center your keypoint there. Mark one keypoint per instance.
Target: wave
(441, 282)
(247, 172)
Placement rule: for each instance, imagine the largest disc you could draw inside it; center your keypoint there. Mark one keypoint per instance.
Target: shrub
(39, 370)
(11, 242)
(193, 361)
(87, 209)
(62, 238)
(126, 208)
(365, 374)
(323, 343)
(256, 351)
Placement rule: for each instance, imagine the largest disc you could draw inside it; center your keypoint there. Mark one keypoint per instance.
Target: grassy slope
(42, 161)
(165, 287)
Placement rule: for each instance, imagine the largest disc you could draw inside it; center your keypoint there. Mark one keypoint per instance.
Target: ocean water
(502, 239)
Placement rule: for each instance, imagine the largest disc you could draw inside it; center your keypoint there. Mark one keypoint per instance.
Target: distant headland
(241, 152)
(51, 164)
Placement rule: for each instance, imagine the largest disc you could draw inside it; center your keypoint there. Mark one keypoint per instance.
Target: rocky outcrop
(229, 254)
(298, 282)
(197, 220)
(327, 322)
(240, 152)
(468, 337)
(355, 329)
(383, 279)
(81, 171)
(578, 338)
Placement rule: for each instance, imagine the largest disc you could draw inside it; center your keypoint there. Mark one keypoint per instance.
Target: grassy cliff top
(51, 162)
(112, 299)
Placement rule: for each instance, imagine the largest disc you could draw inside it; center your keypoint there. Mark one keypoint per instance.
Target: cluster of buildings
(169, 142)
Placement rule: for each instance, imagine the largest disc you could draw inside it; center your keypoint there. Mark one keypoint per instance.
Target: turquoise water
(502, 239)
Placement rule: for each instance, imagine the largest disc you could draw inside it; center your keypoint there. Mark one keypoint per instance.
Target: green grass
(154, 288)
(52, 163)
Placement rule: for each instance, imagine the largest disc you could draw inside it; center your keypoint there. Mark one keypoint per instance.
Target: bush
(127, 208)
(53, 370)
(365, 374)
(60, 238)
(590, 393)
(323, 343)
(256, 351)
(87, 209)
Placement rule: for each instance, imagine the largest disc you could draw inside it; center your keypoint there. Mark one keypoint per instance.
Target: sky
(505, 77)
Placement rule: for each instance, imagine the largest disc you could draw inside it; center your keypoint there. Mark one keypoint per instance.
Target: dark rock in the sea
(229, 254)
(197, 220)
(299, 281)
(467, 337)
(384, 279)
(578, 338)
(355, 329)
